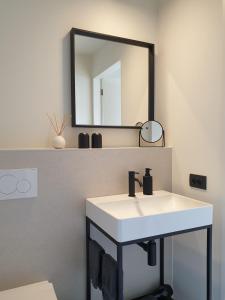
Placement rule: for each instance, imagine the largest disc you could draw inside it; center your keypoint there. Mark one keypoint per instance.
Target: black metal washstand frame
(120, 246)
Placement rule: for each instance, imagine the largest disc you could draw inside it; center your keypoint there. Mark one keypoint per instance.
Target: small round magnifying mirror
(151, 131)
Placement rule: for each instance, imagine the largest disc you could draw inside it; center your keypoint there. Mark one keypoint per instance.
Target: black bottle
(83, 140)
(96, 140)
(147, 182)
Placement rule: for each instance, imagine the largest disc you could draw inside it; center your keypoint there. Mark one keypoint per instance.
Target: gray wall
(44, 238)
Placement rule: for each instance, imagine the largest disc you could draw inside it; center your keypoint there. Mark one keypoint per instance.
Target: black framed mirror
(112, 80)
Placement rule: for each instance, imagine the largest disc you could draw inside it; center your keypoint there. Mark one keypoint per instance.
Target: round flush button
(8, 184)
(23, 186)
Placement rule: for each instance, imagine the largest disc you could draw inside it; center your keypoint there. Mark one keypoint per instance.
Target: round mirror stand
(151, 132)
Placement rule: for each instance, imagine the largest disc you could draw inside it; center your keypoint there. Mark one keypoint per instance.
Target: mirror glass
(151, 131)
(111, 83)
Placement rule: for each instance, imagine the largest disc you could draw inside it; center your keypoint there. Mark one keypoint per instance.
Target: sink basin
(126, 219)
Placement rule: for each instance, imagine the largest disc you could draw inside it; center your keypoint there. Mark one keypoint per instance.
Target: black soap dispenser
(147, 182)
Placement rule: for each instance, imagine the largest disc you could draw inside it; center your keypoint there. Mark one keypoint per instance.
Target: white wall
(223, 209)
(35, 63)
(191, 106)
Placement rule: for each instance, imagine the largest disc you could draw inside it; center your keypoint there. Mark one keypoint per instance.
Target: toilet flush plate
(18, 183)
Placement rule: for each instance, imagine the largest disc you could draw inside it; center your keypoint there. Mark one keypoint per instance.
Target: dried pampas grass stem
(57, 126)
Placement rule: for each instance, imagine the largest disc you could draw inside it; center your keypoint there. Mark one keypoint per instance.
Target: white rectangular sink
(126, 218)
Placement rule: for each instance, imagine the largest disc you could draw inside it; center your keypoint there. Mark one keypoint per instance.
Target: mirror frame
(151, 73)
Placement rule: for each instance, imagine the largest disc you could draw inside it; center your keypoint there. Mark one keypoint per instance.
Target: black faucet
(132, 180)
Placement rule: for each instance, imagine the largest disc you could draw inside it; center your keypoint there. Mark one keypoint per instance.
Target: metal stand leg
(88, 280)
(161, 238)
(162, 261)
(209, 263)
(120, 272)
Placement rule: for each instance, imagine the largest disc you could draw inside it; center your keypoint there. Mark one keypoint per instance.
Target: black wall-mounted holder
(120, 246)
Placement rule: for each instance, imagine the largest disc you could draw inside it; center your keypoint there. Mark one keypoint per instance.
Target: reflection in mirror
(106, 104)
(151, 131)
(111, 82)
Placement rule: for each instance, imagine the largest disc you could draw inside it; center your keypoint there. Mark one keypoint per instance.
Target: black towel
(109, 278)
(96, 253)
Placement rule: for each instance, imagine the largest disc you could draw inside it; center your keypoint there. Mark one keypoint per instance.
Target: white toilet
(38, 291)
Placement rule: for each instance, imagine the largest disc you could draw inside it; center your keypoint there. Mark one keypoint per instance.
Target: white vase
(59, 142)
